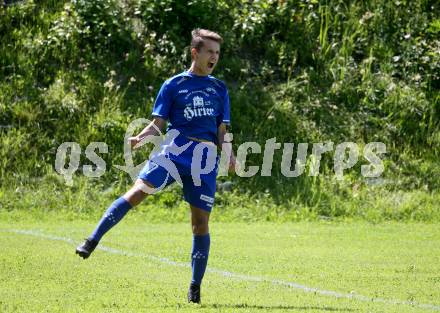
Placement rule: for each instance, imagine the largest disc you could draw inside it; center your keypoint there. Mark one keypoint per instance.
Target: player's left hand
(232, 164)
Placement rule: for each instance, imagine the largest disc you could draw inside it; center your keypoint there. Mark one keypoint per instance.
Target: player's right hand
(133, 141)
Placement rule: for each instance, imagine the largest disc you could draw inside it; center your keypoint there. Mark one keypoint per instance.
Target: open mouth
(211, 65)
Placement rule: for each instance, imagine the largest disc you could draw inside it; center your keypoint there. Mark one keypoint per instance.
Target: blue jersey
(193, 105)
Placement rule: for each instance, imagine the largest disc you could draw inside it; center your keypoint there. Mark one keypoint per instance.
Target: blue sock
(199, 257)
(111, 217)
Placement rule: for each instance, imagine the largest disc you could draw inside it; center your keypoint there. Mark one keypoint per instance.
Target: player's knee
(200, 226)
(133, 197)
(200, 229)
(199, 220)
(136, 194)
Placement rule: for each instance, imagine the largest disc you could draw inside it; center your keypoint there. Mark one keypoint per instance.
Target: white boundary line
(242, 277)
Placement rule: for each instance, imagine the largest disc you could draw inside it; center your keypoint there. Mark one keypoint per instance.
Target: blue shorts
(195, 168)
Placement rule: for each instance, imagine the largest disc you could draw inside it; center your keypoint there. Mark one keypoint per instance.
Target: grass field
(141, 267)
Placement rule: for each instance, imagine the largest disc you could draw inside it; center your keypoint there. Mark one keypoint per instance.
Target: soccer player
(196, 107)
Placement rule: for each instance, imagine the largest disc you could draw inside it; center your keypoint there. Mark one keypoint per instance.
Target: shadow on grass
(276, 307)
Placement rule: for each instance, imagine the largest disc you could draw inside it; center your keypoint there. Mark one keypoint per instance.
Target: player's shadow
(277, 307)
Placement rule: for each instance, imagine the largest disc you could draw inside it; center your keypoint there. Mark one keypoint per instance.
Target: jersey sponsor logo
(197, 109)
(183, 91)
(198, 102)
(207, 198)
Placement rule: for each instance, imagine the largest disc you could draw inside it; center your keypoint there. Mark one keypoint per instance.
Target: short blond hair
(199, 35)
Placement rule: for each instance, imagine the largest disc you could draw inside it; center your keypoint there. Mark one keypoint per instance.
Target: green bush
(300, 71)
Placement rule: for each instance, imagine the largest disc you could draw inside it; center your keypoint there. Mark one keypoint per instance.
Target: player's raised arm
(153, 129)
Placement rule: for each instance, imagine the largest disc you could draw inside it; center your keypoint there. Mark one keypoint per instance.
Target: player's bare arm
(222, 130)
(156, 126)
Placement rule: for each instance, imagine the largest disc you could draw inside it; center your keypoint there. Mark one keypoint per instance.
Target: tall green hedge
(303, 71)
